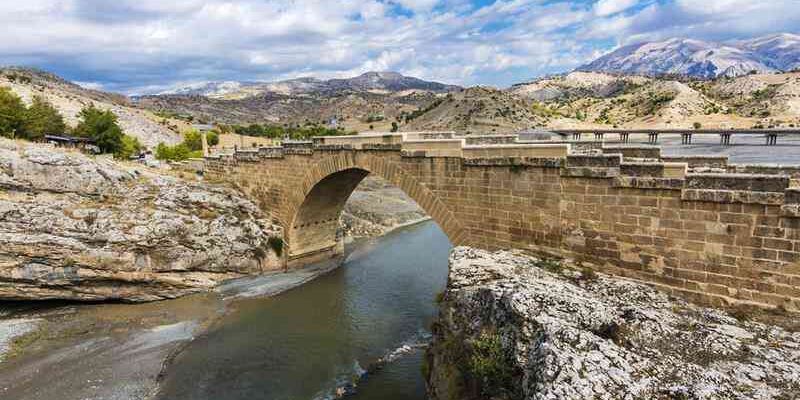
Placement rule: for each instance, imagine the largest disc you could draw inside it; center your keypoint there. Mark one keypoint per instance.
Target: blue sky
(137, 46)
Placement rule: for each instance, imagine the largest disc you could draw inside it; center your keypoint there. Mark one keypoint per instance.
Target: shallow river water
(305, 343)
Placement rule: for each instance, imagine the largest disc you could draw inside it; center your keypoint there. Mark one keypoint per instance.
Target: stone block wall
(713, 238)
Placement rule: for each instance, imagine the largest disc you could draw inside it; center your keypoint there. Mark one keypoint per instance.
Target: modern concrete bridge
(771, 135)
(726, 236)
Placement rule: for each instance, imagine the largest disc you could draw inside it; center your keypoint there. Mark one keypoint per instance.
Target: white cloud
(608, 7)
(129, 44)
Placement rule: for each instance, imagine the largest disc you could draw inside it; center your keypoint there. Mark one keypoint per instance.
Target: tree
(178, 152)
(697, 125)
(193, 140)
(100, 126)
(12, 113)
(394, 126)
(212, 137)
(41, 118)
(130, 147)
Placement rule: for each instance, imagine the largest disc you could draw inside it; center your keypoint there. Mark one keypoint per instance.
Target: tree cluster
(31, 123)
(291, 132)
(191, 147)
(42, 118)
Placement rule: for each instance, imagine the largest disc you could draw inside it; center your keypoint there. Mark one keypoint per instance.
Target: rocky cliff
(514, 327)
(80, 228)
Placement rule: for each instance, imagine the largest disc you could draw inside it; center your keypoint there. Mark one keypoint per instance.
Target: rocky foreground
(514, 327)
(80, 228)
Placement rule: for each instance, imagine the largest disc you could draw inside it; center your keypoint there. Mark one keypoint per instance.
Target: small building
(203, 128)
(73, 142)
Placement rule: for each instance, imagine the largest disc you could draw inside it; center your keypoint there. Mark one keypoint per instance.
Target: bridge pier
(686, 138)
(332, 254)
(576, 136)
(725, 139)
(598, 136)
(772, 139)
(652, 137)
(623, 137)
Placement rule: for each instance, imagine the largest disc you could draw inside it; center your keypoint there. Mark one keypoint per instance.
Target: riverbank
(115, 351)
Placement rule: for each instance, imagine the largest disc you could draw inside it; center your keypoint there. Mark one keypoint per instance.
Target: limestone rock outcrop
(516, 327)
(81, 228)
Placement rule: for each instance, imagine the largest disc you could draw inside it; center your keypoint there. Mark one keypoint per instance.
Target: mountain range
(380, 82)
(703, 59)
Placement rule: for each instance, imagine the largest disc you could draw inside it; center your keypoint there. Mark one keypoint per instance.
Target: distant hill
(702, 59)
(69, 98)
(382, 82)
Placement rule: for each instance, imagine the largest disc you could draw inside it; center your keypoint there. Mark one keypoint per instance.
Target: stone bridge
(717, 237)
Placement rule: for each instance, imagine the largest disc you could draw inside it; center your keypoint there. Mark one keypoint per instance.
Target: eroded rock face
(73, 227)
(510, 329)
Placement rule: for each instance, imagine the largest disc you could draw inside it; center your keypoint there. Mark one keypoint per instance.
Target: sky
(147, 46)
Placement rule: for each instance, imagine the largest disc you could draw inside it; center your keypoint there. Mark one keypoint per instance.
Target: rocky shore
(82, 228)
(516, 327)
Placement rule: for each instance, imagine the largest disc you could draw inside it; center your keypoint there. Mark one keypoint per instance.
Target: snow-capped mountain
(703, 59)
(781, 51)
(206, 88)
(370, 81)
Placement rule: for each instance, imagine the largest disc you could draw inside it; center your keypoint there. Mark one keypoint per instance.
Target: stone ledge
(298, 151)
(738, 182)
(333, 147)
(544, 162)
(648, 182)
(382, 146)
(766, 169)
(590, 172)
(732, 196)
(413, 153)
(790, 210)
(709, 161)
(634, 151)
(595, 161)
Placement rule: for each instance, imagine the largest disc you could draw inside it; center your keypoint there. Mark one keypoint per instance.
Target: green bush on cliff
(490, 366)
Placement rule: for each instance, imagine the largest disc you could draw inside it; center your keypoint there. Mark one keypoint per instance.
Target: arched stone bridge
(722, 237)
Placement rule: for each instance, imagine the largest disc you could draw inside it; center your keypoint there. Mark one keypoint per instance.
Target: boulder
(512, 326)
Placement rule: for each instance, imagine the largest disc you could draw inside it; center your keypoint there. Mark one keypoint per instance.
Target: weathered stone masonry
(715, 238)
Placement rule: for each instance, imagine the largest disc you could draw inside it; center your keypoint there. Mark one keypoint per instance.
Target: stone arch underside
(319, 200)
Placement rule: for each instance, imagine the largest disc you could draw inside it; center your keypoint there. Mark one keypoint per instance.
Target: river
(309, 341)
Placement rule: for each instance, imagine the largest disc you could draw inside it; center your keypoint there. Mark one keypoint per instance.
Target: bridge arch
(312, 218)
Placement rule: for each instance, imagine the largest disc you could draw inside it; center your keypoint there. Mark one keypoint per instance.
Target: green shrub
(550, 265)
(130, 147)
(490, 365)
(212, 138)
(12, 113)
(178, 152)
(193, 140)
(102, 127)
(41, 119)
